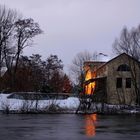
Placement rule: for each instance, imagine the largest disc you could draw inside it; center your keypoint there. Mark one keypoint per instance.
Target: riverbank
(38, 106)
(65, 106)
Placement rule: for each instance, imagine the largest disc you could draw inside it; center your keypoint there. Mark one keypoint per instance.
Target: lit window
(128, 83)
(123, 67)
(119, 83)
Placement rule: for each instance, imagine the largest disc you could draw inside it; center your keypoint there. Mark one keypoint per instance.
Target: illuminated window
(128, 83)
(123, 67)
(119, 83)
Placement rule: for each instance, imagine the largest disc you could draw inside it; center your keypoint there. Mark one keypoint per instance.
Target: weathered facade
(118, 80)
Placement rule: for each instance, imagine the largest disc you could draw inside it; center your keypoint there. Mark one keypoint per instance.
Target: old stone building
(116, 81)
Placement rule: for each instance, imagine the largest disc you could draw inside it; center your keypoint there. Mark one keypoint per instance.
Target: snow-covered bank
(108, 109)
(16, 104)
(69, 105)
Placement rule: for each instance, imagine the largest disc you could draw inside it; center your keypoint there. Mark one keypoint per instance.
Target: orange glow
(90, 125)
(89, 89)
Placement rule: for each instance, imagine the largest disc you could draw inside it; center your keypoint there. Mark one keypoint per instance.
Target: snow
(17, 104)
(70, 104)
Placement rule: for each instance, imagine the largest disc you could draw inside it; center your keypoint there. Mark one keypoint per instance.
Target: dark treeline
(35, 74)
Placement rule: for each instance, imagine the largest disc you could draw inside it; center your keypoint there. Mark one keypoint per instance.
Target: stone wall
(121, 95)
(109, 70)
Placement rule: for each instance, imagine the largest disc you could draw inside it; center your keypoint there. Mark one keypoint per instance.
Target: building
(115, 82)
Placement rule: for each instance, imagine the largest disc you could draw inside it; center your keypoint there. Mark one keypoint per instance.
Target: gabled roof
(117, 57)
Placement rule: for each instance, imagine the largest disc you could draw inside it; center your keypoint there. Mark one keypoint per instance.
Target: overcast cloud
(72, 26)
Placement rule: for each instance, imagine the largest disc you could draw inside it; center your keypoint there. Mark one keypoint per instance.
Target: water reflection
(90, 127)
(69, 126)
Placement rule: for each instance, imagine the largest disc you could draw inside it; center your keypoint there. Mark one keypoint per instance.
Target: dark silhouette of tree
(67, 84)
(25, 30)
(77, 66)
(37, 71)
(32, 75)
(16, 33)
(128, 42)
(53, 69)
(7, 19)
(53, 64)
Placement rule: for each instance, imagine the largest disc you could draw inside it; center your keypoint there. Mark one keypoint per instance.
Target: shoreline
(68, 112)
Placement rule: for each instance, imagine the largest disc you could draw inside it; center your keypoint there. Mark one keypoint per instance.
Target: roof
(92, 61)
(116, 58)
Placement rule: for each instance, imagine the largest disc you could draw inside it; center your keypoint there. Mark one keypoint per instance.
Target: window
(123, 67)
(128, 83)
(119, 83)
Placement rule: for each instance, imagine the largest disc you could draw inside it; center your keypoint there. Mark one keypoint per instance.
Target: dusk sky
(73, 26)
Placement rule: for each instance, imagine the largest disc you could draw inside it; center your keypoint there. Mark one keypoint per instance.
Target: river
(69, 127)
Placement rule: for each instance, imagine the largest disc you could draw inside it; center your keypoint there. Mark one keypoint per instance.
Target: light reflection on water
(69, 126)
(90, 125)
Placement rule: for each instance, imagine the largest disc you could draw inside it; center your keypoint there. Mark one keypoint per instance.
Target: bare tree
(16, 33)
(25, 30)
(23, 33)
(7, 19)
(128, 42)
(76, 68)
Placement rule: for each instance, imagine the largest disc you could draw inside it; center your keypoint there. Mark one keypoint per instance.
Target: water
(69, 127)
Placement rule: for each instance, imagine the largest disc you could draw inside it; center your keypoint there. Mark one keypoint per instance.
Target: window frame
(123, 67)
(119, 82)
(128, 82)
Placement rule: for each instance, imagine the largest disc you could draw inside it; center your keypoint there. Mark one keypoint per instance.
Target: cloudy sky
(72, 26)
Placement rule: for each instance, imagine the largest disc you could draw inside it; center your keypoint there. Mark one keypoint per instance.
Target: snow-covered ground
(69, 105)
(17, 104)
